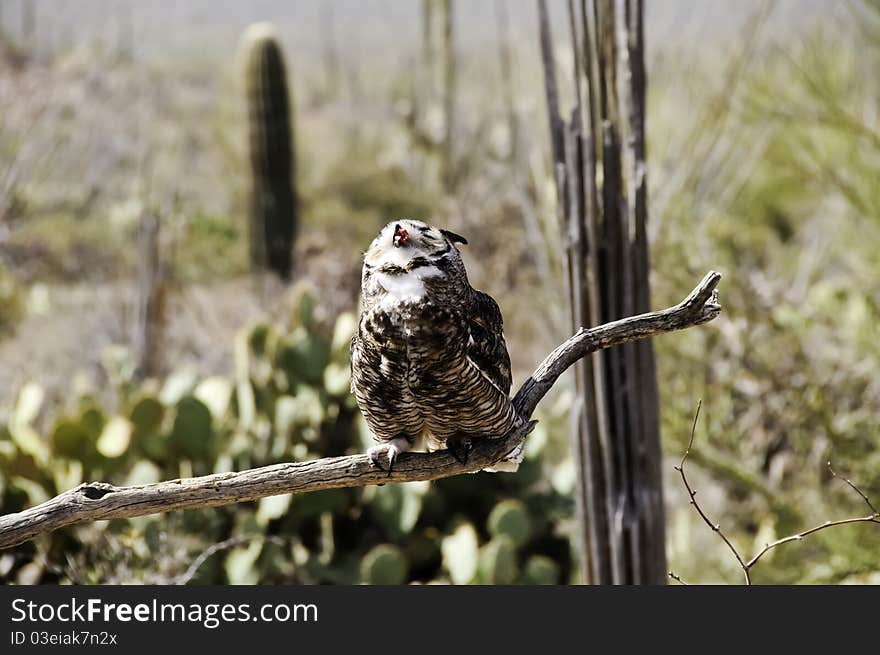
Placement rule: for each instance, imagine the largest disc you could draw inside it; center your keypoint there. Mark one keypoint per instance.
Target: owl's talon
(391, 450)
(374, 453)
(460, 449)
(392, 455)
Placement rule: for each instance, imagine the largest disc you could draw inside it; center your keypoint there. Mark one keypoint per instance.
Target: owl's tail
(509, 464)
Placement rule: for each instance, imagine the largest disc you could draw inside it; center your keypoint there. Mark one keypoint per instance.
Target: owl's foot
(391, 449)
(460, 448)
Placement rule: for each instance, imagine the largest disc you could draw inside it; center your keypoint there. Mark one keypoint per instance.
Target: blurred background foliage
(764, 147)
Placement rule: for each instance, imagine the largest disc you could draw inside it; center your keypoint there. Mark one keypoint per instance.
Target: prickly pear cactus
(540, 569)
(273, 203)
(497, 564)
(511, 518)
(384, 564)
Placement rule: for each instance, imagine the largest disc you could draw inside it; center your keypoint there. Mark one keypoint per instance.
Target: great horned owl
(429, 365)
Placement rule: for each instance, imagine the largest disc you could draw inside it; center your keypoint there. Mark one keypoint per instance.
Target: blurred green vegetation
(10, 299)
(762, 166)
(785, 201)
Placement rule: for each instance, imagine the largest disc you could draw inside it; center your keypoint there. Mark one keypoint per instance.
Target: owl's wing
(486, 347)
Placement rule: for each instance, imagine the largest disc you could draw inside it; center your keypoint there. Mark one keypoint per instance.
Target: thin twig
(856, 489)
(715, 527)
(232, 542)
(800, 535)
(673, 576)
(874, 517)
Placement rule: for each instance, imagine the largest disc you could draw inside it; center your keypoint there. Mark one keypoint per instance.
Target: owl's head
(410, 259)
(403, 243)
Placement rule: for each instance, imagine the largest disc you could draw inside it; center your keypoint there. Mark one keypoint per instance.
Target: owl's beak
(401, 236)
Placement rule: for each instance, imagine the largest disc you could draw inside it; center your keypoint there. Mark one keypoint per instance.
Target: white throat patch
(407, 287)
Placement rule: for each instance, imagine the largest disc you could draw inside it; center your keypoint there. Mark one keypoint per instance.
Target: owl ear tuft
(453, 237)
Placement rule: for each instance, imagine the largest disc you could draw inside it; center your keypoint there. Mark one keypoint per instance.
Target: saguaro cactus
(273, 202)
(621, 531)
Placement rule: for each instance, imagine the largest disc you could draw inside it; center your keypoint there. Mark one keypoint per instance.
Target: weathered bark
(97, 500)
(505, 70)
(450, 78)
(615, 418)
(152, 298)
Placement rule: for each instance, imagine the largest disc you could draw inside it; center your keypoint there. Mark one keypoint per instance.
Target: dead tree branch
(212, 550)
(99, 501)
(873, 517)
(673, 576)
(692, 493)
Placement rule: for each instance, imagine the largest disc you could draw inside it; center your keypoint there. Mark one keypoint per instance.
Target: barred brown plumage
(429, 364)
